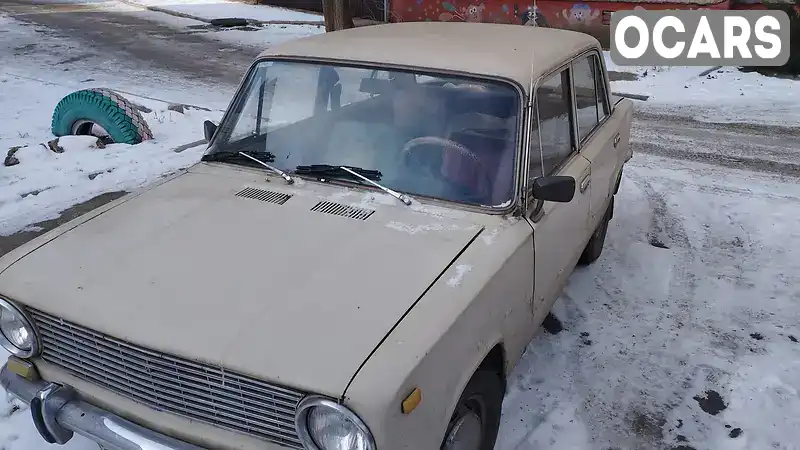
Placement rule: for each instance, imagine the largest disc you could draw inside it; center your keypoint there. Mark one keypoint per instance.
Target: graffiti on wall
(580, 14)
(531, 16)
(468, 13)
(590, 16)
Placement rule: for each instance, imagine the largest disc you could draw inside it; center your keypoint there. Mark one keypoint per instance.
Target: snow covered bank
(218, 9)
(722, 95)
(44, 183)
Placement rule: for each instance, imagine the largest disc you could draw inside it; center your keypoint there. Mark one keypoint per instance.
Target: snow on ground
(39, 54)
(262, 37)
(17, 431)
(696, 295)
(722, 95)
(218, 9)
(44, 183)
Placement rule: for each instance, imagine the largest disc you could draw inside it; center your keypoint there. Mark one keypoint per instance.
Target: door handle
(585, 183)
(616, 139)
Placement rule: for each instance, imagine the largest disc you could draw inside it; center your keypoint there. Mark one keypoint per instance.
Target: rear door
(559, 229)
(598, 130)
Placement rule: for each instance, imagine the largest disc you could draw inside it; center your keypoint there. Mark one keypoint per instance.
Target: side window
(586, 96)
(600, 82)
(553, 105)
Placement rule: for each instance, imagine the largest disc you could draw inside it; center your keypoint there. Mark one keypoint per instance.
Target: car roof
(516, 52)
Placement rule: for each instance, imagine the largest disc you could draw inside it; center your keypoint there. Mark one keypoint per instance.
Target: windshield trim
(515, 204)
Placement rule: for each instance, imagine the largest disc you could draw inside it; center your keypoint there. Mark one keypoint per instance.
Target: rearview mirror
(374, 86)
(556, 188)
(209, 129)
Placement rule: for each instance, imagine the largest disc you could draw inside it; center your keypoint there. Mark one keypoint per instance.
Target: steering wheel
(413, 148)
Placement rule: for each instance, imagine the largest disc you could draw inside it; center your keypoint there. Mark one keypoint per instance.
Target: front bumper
(58, 413)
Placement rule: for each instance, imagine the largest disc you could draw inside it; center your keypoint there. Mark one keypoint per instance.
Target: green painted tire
(119, 117)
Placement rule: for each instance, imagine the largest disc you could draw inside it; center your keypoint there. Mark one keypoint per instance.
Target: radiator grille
(193, 390)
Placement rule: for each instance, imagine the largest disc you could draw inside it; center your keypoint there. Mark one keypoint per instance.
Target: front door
(559, 229)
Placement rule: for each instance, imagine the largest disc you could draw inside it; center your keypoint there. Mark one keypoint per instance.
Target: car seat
(491, 139)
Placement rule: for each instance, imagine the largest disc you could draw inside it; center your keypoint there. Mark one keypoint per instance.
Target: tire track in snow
(768, 149)
(667, 233)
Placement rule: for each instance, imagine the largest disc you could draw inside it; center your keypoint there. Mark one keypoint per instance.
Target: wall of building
(588, 16)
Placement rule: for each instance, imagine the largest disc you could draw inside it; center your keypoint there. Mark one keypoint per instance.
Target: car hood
(291, 292)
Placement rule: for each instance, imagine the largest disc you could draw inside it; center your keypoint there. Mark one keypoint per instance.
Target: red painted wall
(592, 17)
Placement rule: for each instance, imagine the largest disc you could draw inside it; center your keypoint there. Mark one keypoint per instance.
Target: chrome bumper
(57, 413)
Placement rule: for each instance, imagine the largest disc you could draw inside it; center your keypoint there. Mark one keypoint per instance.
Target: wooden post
(337, 14)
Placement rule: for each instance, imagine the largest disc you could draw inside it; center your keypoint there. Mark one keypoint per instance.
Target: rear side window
(600, 82)
(588, 110)
(554, 129)
(590, 96)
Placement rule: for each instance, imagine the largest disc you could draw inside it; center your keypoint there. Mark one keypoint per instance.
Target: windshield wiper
(267, 157)
(367, 175)
(326, 169)
(262, 157)
(402, 197)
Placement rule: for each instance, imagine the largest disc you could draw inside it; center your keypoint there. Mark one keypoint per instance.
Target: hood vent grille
(342, 210)
(264, 196)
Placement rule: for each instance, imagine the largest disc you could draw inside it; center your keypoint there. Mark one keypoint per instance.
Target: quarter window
(590, 96)
(600, 81)
(554, 130)
(586, 96)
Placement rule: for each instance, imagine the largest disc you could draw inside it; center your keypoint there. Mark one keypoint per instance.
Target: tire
(115, 114)
(483, 393)
(594, 247)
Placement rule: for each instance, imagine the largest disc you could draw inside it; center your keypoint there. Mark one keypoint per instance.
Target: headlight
(17, 334)
(323, 424)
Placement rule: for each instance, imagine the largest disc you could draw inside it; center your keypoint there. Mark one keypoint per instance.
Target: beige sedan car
(382, 220)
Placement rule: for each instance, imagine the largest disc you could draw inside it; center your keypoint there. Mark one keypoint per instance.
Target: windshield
(437, 136)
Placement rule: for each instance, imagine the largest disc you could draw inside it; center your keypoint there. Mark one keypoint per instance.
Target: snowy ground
(720, 95)
(217, 9)
(697, 291)
(263, 36)
(44, 183)
(695, 295)
(256, 35)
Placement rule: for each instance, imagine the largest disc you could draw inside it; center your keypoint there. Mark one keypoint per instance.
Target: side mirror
(556, 188)
(209, 129)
